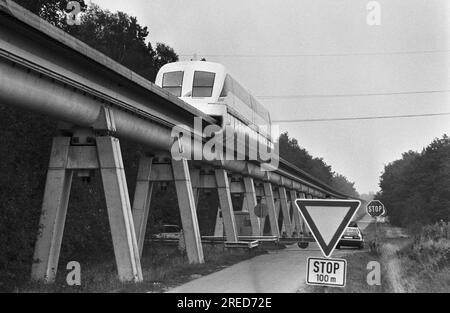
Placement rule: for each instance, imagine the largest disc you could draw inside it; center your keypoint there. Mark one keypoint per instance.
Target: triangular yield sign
(327, 219)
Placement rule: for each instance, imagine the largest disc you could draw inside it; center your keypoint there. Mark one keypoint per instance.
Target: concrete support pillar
(226, 206)
(142, 200)
(188, 212)
(65, 159)
(218, 229)
(306, 229)
(53, 216)
(195, 179)
(268, 192)
(250, 203)
(296, 215)
(119, 209)
(276, 199)
(285, 209)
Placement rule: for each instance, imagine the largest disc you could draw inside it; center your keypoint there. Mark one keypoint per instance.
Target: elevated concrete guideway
(101, 102)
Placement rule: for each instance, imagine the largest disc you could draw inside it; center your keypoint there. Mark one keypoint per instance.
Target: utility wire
(359, 118)
(315, 54)
(353, 95)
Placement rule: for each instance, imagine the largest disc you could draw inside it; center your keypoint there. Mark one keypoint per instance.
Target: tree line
(292, 152)
(416, 188)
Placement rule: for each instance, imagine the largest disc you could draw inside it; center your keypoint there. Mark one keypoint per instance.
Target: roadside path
(278, 271)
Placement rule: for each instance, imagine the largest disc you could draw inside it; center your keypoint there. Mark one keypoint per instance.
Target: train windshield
(203, 84)
(172, 82)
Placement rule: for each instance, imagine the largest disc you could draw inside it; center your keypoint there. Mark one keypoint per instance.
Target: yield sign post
(327, 219)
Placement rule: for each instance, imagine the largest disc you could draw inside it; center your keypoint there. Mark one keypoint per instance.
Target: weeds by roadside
(163, 267)
(426, 261)
(357, 265)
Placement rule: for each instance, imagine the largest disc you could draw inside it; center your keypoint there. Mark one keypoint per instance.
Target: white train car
(209, 87)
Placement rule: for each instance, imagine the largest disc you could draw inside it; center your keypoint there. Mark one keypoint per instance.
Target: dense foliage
(291, 151)
(416, 188)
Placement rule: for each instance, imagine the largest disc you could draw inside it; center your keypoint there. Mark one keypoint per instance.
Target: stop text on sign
(375, 209)
(326, 272)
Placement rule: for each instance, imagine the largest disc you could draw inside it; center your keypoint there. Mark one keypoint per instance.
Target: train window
(203, 84)
(172, 82)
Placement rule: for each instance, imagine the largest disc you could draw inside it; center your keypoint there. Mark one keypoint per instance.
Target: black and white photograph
(216, 154)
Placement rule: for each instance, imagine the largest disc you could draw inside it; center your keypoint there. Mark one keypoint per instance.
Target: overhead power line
(352, 95)
(349, 54)
(359, 118)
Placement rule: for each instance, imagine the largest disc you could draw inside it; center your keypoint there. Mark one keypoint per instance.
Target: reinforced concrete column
(195, 179)
(188, 212)
(142, 200)
(306, 230)
(296, 215)
(119, 209)
(218, 228)
(285, 209)
(226, 206)
(54, 210)
(268, 192)
(250, 202)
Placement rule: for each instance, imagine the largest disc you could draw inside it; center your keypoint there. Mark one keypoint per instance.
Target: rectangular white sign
(326, 272)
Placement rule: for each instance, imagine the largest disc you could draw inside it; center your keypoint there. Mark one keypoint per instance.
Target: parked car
(352, 237)
(168, 232)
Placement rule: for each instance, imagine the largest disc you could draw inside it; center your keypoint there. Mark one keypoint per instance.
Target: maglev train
(209, 87)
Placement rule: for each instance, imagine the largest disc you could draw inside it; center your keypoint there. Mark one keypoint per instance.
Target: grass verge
(426, 262)
(163, 267)
(357, 267)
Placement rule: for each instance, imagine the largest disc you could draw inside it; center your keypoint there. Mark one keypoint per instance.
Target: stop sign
(375, 208)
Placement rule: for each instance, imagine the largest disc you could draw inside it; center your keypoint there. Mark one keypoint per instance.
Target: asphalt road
(278, 271)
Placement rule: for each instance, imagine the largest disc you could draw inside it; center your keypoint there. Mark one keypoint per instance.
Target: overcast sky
(284, 50)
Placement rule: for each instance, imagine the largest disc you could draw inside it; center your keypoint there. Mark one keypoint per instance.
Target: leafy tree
(123, 39)
(415, 188)
(291, 151)
(298, 156)
(53, 11)
(164, 55)
(342, 184)
(117, 35)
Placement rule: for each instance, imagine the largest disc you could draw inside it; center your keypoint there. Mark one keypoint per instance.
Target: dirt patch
(393, 266)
